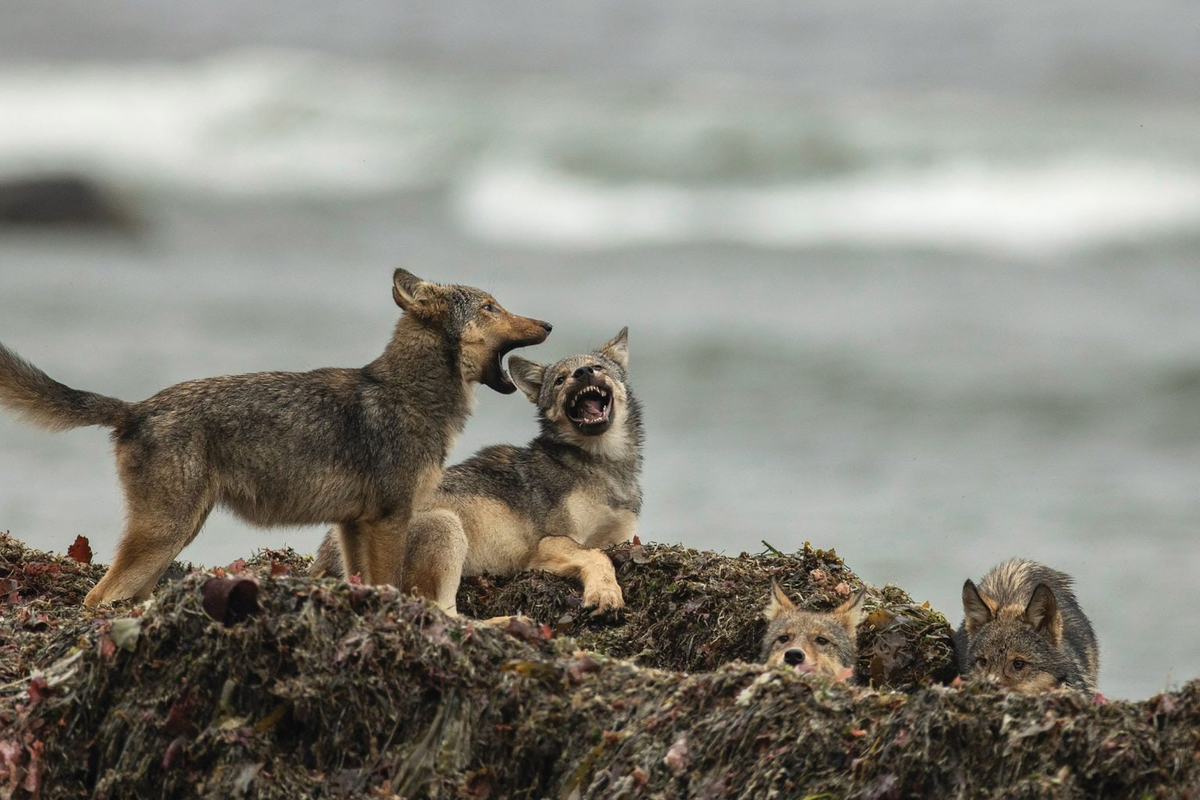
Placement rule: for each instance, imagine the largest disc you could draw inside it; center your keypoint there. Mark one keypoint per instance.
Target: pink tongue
(592, 409)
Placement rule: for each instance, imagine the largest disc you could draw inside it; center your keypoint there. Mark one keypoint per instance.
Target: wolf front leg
(377, 550)
(564, 556)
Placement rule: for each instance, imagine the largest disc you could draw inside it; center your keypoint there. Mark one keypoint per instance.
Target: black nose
(579, 373)
(546, 326)
(793, 657)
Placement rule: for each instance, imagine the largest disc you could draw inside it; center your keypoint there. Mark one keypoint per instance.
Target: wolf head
(584, 400)
(482, 329)
(820, 642)
(1019, 648)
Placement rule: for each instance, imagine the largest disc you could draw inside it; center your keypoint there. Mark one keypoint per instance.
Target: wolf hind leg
(434, 558)
(153, 538)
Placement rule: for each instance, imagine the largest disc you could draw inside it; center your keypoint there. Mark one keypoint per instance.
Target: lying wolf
(356, 447)
(1023, 628)
(819, 642)
(549, 505)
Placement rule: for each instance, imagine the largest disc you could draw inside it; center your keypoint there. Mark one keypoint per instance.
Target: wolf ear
(405, 287)
(416, 296)
(850, 613)
(1043, 615)
(780, 603)
(977, 610)
(527, 375)
(617, 348)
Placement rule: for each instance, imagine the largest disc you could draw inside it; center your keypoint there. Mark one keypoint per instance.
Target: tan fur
(564, 556)
(549, 505)
(819, 642)
(594, 523)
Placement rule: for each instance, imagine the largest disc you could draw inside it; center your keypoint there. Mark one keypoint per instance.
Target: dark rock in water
(338, 690)
(59, 200)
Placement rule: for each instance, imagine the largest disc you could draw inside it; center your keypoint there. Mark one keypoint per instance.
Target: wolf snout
(583, 371)
(793, 657)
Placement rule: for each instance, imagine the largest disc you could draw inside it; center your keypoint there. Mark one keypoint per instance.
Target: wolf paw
(605, 602)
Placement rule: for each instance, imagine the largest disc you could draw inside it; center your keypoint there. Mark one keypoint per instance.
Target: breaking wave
(1067, 204)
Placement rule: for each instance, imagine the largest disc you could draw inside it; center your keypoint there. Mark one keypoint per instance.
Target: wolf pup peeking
(359, 448)
(819, 642)
(1023, 628)
(549, 505)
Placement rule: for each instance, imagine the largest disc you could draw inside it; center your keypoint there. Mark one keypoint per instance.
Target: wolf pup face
(1017, 647)
(485, 331)
(581, 397)
(1023, 629)
(820, 642)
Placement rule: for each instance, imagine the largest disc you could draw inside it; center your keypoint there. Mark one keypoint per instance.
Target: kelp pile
(692, 611)
(255, 682)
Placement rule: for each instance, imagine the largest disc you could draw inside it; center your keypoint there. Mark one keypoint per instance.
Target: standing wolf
(1023, 628)
(359, 448)
(574, 488)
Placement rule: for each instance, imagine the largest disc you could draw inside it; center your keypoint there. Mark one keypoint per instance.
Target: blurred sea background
(916, 281)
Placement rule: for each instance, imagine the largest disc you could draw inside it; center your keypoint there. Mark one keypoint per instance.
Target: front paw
(604, 601)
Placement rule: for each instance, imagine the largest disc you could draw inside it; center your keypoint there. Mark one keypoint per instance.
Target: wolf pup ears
(1024, 630)
(819, 642)
(584, 400)
(484, 330)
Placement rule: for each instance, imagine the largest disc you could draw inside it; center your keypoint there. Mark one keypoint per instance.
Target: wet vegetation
(254, 681)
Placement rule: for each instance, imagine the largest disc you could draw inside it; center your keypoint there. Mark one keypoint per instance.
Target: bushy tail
(328, 560)
(43, 401)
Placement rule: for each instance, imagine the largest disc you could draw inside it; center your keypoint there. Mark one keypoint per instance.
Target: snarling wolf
(1023, 628)
(359, 448)
(819, 642)
(549, 505)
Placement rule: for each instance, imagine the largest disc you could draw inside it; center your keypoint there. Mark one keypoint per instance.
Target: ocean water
(918, 284)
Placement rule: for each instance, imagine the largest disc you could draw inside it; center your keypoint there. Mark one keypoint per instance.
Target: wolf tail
(47, 403)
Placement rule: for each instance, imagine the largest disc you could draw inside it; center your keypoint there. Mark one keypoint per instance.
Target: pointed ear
(405, 287)
(527, 375)
(617, 348)
(780, 603)
(850, 613)
(1043, 615)
(977, 609)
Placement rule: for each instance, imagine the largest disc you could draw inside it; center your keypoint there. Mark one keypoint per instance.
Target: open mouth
(591, 408)
(495, 376)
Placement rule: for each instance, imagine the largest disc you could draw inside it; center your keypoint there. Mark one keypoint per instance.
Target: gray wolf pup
(359, 448)
(819, 642)
(1023, 628)
(549, 505)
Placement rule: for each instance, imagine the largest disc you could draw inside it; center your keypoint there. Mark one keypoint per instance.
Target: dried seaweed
(338, 690)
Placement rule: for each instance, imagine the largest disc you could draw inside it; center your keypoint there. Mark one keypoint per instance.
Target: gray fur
(346, 446)
(1023, 627)
(532, 484)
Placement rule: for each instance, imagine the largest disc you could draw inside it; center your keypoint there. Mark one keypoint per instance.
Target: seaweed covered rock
(324, 689)
(692, 611)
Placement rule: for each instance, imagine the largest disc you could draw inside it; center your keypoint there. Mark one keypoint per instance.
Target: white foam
(246, 123)
(1068, 203)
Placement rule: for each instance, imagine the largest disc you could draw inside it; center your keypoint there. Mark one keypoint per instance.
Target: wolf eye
(821, 640)
(981, 662)
(1018, 664)
(784, 638)
(488, 307)
(559, 380)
